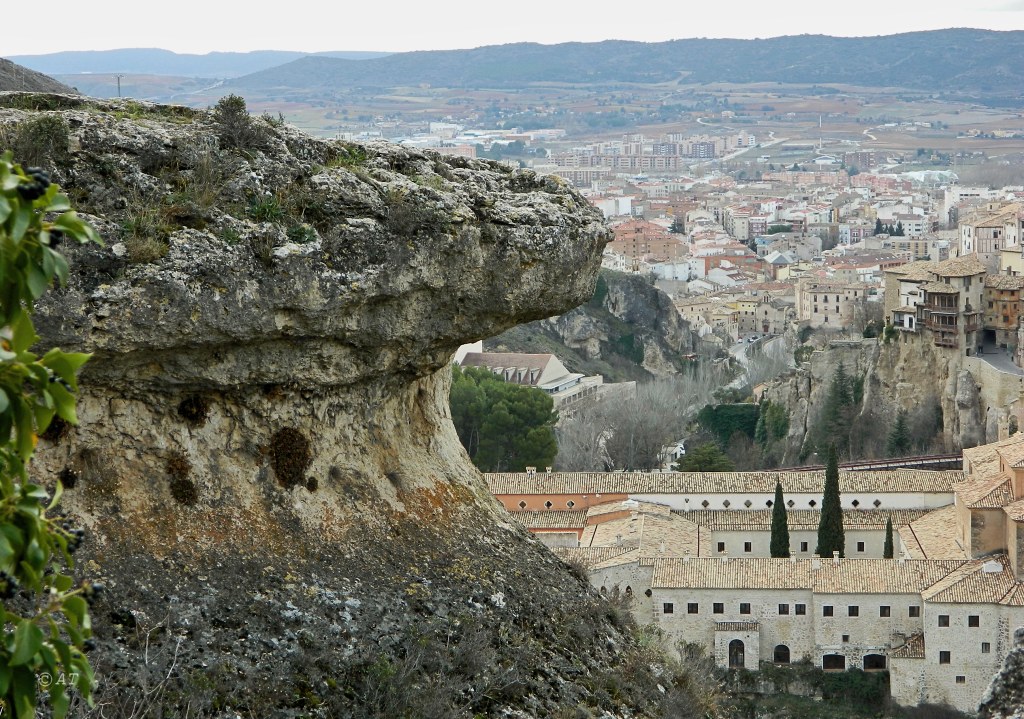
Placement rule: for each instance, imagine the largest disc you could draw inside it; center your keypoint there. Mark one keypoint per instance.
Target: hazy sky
(202, 26)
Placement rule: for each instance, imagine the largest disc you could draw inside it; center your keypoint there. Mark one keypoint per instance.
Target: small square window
(846, 638)
(826, 611)
(692, 608)
(570, 504)
(800, 609)
(783, 609)
(943, 620)
(522, 505)
(860, 546)
(791, 503)
(943, 657)
(973, 620)
(748, 546)
(813, 503)
(855, 503)
(961, 679)
(727, 504)
(667, 608)
(803, 546)
(744, 607)
(883, 611)
(986, 648)
(915, 611)
(718, 608)
(721, 546)
(853, 610)
(548, 505)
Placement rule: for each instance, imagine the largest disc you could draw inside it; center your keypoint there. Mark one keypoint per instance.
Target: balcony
(940, 323)
(946, 340)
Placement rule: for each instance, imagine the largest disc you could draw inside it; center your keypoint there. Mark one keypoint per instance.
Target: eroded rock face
(1005, 696)
(265, 463)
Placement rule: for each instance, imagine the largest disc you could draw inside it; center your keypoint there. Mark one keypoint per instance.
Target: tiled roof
(588, 556)
(627, 505)
(913, 649)
(655, 535)
(1004, 282)
(1014, 597)
(965, 266)
(1012, 452)
(761, 519)
(903, 480)
(506, 359)
(923, 268)
(990, 492)
(934, 536)
(939, 288)
(971, 583)
(984, 460)
(737, 626)
(551, 520)
(1015, 511)
(848, 576)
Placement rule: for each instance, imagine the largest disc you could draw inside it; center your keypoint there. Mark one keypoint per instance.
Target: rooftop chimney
(835, 556)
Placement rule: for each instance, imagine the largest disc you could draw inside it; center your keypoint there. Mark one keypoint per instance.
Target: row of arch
(781, 655)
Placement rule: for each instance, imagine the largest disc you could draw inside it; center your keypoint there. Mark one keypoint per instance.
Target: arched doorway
(736, 654)
(781, 654)
(833, 662)
(874, 662)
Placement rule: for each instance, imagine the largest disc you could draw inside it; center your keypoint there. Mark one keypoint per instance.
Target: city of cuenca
(930, 585)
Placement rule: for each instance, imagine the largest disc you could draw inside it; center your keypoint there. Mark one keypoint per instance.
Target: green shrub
(235, 126)
(266, 209)
(42, 141)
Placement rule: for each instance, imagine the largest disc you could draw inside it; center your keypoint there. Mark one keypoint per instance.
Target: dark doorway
(781, 655)
(874, 662)
(736, 654)
(833, 662)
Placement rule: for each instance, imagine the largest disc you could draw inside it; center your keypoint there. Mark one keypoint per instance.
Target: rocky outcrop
(266, 466)
(908, 374)
(1005, 696)
(628, 330)
(14, 77)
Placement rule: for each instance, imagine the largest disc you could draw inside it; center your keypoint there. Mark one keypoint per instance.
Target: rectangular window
(826, 611)
(943, 657)
(803, 546)
(747, 547)
(692, 608)
(883, 611)
(961, 679)
(973, 620)
(846, 638)
(915, 611)
(943, 620)
(799, 609)
(783, 609)
(718, 608)
(721, 546)
(853, 610)
(860, 546)
(986, 648)
(744, 608)
(667, 608)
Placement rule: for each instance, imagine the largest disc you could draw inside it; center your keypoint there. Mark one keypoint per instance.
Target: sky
(201, 26)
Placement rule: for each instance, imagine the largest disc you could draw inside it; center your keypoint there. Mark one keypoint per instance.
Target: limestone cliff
(1005, 696)
(909, 374)
(265, 465)
(628, 330)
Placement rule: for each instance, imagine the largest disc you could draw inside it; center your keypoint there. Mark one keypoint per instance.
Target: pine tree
(878, 227)
(830, 528)
(887, 550)
(780, 525)
(898, 442)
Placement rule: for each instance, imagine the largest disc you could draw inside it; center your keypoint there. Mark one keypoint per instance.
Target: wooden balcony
(946, 340)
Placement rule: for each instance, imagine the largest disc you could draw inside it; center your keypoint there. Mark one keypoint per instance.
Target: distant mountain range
(967, 62)
(151, 61)
(959, 60)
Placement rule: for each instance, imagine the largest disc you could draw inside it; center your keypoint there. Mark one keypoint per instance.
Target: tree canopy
(504, 427)
(705, 458)
(780, 525)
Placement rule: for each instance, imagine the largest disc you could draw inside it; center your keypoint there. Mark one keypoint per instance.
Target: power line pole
(119, 85)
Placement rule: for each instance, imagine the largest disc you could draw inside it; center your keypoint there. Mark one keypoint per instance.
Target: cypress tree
(887, 550)
(830, 528)
(898, 442)
(878, 227)
(780, 525)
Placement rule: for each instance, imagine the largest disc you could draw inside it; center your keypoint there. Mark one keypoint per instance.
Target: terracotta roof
(1012, 452)
(761, 519)
(1004, 282)
(913, 268)
(880, 576)
(627, 505)
(973, 583)
(737, 626)
(935, 535)
(1015, 511)
(913, 649)
(655, 535)
(984, 459)
(1014, 597)
(551, 520)
(965, 266)
(588, 556)
(991, 492)
(939, 288)
(903, 480)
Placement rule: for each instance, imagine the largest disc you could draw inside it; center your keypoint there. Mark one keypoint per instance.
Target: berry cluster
(36, 188)
(91, 591)
(75, 537)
